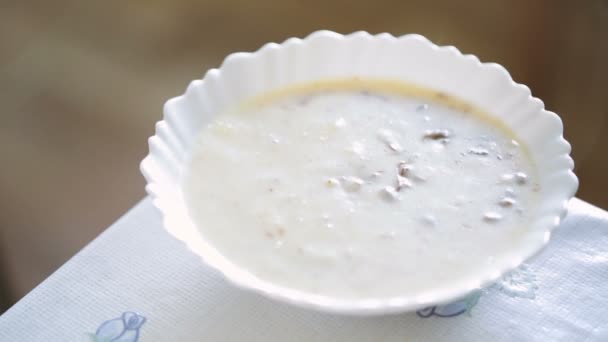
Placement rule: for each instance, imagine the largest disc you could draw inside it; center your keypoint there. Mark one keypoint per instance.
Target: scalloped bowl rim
(161, 168)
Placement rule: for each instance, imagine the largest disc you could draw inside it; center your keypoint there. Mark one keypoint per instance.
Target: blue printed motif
(520, 283)
(122, 329)
(452, 309)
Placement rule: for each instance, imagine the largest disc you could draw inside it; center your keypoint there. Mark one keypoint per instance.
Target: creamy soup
(360, 188)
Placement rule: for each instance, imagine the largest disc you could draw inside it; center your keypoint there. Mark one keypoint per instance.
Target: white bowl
(329, 55)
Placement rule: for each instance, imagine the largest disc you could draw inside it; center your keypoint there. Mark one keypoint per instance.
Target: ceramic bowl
(329, 55)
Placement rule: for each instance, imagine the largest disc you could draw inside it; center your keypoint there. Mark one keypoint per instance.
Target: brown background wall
(82, 83)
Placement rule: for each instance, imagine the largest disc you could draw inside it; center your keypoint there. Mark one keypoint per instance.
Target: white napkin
(136, 283)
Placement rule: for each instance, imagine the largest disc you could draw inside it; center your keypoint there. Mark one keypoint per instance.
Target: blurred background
(82, 83)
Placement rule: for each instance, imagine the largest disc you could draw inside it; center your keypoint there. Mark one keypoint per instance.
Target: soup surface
(360, 188)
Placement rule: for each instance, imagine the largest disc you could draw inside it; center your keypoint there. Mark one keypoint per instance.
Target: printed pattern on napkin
(122, 329)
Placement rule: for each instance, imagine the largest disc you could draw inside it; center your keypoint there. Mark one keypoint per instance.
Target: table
(136, 283)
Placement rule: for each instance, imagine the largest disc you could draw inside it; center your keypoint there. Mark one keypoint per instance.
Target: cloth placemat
(136, 283)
